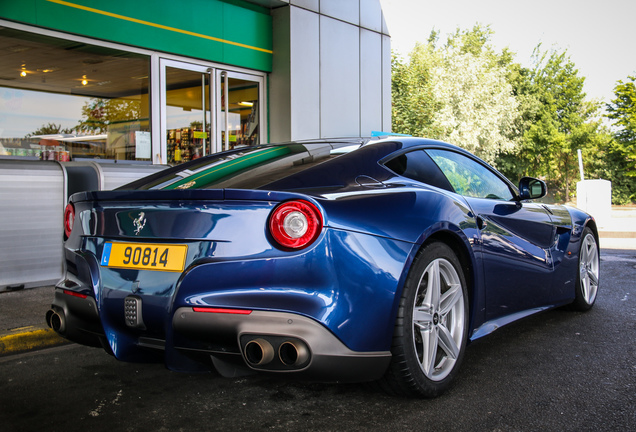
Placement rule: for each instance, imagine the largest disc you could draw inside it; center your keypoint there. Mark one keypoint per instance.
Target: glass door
(207, 110)
(186, 119)
(240, 118)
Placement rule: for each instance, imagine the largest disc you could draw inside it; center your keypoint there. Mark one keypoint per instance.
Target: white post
(581, 164)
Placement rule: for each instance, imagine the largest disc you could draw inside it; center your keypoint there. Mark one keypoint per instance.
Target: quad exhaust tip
(276, 352)
(259, 352)
(293, 353)
(56, 320)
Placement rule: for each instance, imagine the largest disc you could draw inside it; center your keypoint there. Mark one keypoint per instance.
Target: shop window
(66, 100)
(187, 114)
(242, 112)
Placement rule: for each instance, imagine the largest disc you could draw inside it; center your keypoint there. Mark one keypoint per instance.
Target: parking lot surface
(556, 371)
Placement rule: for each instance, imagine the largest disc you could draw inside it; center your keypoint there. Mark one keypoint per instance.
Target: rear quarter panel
(416, 214)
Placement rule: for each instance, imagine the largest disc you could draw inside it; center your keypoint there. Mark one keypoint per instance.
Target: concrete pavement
(620, 231)
(22, 323)
(22, 313)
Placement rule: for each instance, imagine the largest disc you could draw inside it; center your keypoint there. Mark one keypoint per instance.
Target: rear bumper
(74, 316)
(316, 353)
(284, 343)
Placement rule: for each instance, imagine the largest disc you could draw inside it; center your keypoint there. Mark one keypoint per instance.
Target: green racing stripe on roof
(232, 166)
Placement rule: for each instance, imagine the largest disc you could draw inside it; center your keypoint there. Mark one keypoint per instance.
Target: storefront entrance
(95, 94)
(239, 110)
(192, 93)
(71, 100)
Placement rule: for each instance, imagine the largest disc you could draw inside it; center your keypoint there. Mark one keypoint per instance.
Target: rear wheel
(587, 277)
(431, 327)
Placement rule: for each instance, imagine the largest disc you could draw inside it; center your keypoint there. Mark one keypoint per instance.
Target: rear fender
(464, 248)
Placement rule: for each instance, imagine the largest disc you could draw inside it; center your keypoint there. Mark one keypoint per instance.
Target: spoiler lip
(186, 195)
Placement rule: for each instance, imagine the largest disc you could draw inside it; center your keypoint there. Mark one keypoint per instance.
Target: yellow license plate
(145, 256)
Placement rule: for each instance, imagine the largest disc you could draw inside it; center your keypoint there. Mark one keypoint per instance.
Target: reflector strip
(74, 294)
(222, 310)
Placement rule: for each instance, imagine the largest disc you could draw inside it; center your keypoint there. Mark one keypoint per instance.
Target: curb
(616, 234)
(28, 339)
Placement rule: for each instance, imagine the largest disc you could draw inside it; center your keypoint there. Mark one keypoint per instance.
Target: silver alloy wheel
(589, 268)
(438, 319)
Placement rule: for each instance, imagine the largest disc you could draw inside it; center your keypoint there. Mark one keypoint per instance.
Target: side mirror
(531, 188)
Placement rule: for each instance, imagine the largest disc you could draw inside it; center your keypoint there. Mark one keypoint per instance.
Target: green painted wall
(215, 30)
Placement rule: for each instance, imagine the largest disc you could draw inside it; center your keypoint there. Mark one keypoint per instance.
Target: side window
(470, 178)
(417, 165)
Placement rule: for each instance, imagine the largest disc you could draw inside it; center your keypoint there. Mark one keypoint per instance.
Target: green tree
(50, 129)
(526, 121)
(457, 92)
(413, 103)
(98, 113)
(556, 120)
(623, 110)
(478, 110)
(620, 161)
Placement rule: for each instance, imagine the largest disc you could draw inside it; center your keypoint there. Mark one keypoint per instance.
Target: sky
(24, 111)
(599, 36)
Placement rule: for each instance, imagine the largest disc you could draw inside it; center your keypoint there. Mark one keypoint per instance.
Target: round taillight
(69, 218)
(295, 224)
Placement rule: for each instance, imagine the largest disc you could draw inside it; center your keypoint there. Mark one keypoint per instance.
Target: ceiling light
(246, 104)
(23, 73)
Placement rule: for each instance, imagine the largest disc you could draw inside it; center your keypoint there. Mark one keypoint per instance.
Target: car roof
(410, 142)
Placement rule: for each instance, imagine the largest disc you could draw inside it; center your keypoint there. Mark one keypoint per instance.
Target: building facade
(163, 82)
(123, 88)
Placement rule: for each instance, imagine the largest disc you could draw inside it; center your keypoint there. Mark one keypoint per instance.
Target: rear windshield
(247, 168)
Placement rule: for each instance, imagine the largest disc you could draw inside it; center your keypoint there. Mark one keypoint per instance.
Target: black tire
(587, 274)
(425, 361)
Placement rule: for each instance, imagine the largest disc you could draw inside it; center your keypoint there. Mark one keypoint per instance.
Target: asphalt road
(557, 371)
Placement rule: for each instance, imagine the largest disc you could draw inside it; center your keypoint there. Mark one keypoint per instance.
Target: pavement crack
(97, 411)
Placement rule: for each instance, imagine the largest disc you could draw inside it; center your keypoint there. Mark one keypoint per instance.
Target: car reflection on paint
(302, 259)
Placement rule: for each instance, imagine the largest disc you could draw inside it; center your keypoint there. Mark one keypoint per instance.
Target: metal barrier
(31, 205)
(113, 175)
(32, 199)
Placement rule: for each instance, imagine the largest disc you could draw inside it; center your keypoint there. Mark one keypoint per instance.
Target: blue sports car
(316, 260)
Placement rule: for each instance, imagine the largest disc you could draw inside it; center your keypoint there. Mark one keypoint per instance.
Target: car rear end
(235, 279)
